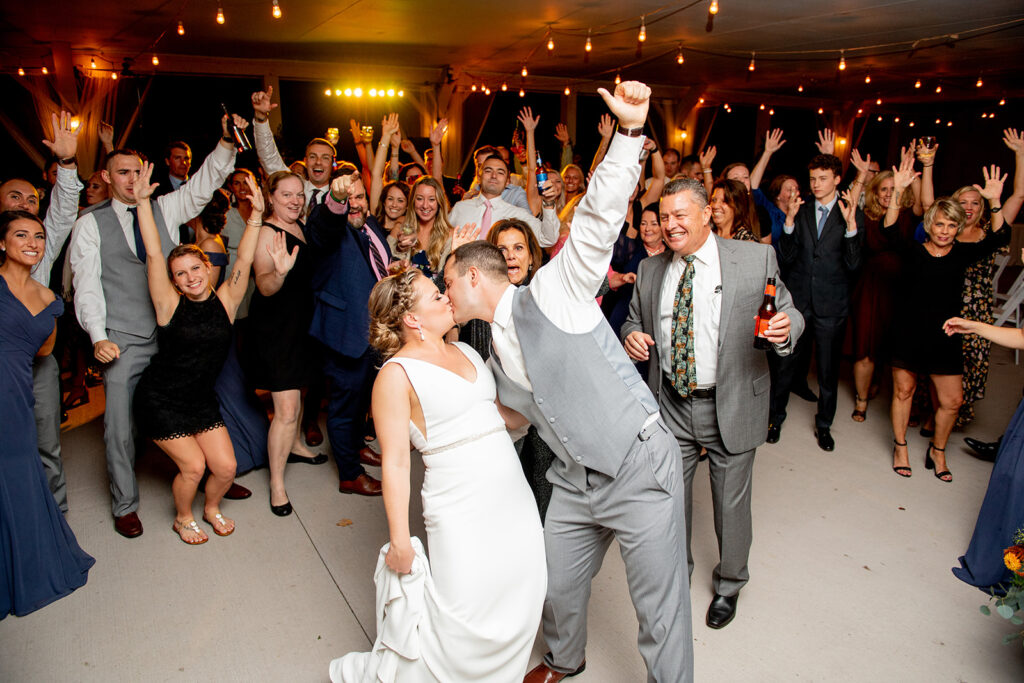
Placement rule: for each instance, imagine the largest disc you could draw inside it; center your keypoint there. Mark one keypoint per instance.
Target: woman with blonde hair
(428, 219)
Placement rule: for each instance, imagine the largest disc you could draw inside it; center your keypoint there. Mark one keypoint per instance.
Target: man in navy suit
(820, 250)
(350, 254)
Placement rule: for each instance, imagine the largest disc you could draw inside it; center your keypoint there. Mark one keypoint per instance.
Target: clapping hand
(65, 137)
(826, 143)
(707, 157)
(528, 120)
(464, 235)
(773, 141)
(562, 134)
(993, 183)
(261, 103)
(142, 188)
(606, 126)
(629, 103)
(278, 250)
(1014, 140)
(255, 196)
(438, 131)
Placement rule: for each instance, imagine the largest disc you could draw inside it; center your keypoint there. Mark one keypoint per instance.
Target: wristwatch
(66, 162)
(630, 132)
(228, 138)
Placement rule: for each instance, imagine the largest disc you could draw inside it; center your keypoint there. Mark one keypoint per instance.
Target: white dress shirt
(177, 207)
(706, 314)
(60, 218)
(788, 229)
(472, 211)
(564, 288)
(270, 158)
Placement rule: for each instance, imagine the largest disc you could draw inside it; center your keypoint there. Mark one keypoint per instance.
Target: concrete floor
(850, 574)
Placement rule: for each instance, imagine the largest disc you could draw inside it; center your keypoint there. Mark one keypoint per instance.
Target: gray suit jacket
(743, 381)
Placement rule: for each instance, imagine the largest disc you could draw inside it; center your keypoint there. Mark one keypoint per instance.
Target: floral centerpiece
(1011, 605)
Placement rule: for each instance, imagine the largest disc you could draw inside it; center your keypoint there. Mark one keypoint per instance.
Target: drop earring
(420, 328)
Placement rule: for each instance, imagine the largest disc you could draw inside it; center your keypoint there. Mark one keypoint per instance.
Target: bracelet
(996, 209)
(66, 162)
(260, 224)
(228, 138)
(707, 171)
(257, 119)
(630, 132)
(928, 165)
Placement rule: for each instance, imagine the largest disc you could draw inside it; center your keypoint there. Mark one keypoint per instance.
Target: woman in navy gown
(40, 560)
(1002, 510)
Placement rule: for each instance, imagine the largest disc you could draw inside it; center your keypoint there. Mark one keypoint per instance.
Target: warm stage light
(75, 123)
(391, 92)
(358, 92)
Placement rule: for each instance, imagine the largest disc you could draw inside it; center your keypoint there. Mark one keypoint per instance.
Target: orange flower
(1013, 558)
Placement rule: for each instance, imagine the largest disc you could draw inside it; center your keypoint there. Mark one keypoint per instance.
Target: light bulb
(21, 71)
(504, 87)
(979, 83)
(348, 92)
(566, 91)
(949, 124)
(276, 10)
(473, 87)
(358, 92)
(337, 92)
(524, 72)
(751, 66)
(700, 101)
(45, 71)
(897, 119)
(522, 93)
(642, 36)
(487, 91)
(762, 107)
(725, 106)
(867, 79)
(679, 57)
(618, 79)
(181, 29)
(113, 76)
(92, 63)
(859, 112)
(771, 112)
(938, 121)
(821, 110)
(842, 62)
(327, 92)
(800, 88)
(917, 83)
(911, 124)
(714, 7)
(879, 118)
(551, 44)
(401, 93)
(156, 60)
(589, 46)
(373, 91)
(879, 102)
(391, 92)
(220, 15)
(1002, 102)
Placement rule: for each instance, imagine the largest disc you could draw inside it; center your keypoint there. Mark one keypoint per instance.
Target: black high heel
(903, 471)
(930, 464)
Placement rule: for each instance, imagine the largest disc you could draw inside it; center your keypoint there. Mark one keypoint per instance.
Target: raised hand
(826, 143)
(464, 235)
(860, 163)
(106, 134)
(925, 155)
(408, 147)
(629, 103)
(708, 156)
(238, 121)
(1014, 140)
(142, 188)
(278, 250)
(255, 196)
(773, 141)
(437, 133)
(650, 145)
(356, 130)
(903, 175)
(341, 185)
(562, 134)
(65, 138)
(388, 126)
(795, 202)
(528, 120)
(606, 126)
(993, 183)
(261, 103)
(848, 207)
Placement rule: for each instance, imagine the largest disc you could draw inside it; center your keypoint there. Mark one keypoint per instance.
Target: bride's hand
(399, 558)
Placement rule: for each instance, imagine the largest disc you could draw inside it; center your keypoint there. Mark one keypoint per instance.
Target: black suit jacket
(820, 272)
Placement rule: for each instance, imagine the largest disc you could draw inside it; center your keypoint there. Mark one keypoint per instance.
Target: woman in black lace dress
(175, 403)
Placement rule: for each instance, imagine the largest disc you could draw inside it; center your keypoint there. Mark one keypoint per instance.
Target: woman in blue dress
(40, 560)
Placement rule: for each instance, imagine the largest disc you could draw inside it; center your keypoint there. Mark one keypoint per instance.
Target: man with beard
(319, 159)
(350, 255)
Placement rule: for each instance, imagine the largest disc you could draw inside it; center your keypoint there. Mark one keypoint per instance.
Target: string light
(373, 91)
(938, 89)
(949, 124)
(504, 87)
(984, 116)
(1002, 102)
(113, 76)
(524, 72)
(762, 107)
(45, 71)
(618, 79)
(821, 110)
(700, 101)
(771, 112)
(589, 46)
(566, 91)
(714, 7)
(879, 118)
(276, 10)
(879, 102)
(979, 83)
(551, 43)
(897, 119)
(348, 92)
(21, 71)
(327, 92)
(842, 61)
(337, 92)
(487, 91)
(220, 15)
(92, 63)
(473, 88)
(800, 88)
(391, 92)
(917, 83)
(156, 60)
(358, 92)
(911, 124)
(679, 56)
(859, 112)
(938, 121)
(181, 29)
(642, 36)
(751, 66)
(522, 93)
(401, 93)
(867, 78)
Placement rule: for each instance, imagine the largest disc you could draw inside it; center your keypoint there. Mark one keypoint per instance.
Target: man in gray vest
(18, 194)
(112, 301)
(617, 473)
(692, 317)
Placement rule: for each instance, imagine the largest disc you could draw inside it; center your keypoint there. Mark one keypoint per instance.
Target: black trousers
(825, 334)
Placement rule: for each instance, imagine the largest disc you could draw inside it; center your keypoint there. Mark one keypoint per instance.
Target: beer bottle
(242, 143)
(764, 314)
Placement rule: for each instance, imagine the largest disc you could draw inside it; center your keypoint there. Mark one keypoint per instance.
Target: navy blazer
(820, 272)
(342, 279)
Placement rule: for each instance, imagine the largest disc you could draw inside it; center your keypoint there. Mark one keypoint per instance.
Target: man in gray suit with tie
(692, 317)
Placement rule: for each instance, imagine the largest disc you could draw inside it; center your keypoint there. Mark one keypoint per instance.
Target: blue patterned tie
(684, 368)
(140, 246)
(823, 210)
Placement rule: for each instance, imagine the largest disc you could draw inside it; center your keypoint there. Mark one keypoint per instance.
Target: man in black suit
(820, 250)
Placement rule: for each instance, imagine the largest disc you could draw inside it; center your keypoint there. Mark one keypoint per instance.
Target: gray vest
(588, 401)
(125, 286)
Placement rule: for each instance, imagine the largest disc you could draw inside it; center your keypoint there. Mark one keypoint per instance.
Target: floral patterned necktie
(684, 369)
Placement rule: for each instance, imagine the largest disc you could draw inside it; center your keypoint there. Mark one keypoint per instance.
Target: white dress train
(472, 612)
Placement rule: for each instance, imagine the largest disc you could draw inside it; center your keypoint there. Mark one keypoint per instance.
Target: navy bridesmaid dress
(40, 560)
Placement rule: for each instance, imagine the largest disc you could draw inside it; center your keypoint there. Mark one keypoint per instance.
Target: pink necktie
(485, 223)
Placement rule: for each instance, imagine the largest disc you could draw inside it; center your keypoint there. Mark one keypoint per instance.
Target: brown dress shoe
(237, 492)
(368, 457)
(314, 437)
(542, 674)
(363, 485)
(128, 525)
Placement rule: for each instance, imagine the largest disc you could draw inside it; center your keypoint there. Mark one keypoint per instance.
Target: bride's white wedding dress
(472, 613)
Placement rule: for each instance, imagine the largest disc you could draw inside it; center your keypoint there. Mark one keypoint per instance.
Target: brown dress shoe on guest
(368, 457)
(542, 674)
(363, 485)
(314, 437)
(128, 525)
(237, 492)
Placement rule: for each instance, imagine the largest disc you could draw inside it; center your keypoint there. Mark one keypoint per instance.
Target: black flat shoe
(282, 510)
(319, 459)
(824, 437)
(722, 610)
(899, 469)
(929, 464)
(984, 450)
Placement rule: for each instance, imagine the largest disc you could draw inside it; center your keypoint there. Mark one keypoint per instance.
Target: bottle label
(762, 327)
(769, 290)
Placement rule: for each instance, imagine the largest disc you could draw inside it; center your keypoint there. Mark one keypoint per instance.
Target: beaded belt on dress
(462, 442)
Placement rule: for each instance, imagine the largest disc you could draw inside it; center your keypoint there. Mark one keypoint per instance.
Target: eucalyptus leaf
(1005, 611)
(1016, 621)
(985, 610)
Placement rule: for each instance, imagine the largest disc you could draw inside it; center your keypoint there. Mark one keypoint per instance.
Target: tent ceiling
(490, 41)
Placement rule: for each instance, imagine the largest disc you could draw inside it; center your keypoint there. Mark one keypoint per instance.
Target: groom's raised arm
(581, 266)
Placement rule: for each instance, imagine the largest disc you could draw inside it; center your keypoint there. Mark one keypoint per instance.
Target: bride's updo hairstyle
(391, 298)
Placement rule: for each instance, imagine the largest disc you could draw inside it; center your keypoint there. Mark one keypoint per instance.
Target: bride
(472, 612)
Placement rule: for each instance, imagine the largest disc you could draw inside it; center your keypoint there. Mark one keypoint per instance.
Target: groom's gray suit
(616, 473)
(733, 422)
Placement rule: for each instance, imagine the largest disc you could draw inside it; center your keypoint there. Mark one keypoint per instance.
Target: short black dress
(175, 395)
(930, 293)
(278, 352)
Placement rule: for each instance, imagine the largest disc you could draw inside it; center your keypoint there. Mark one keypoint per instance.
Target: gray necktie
(824, 217)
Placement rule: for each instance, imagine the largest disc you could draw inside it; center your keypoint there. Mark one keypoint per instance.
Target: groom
(617, 472)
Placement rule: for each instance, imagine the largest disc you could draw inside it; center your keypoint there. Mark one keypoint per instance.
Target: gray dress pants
(46, 390)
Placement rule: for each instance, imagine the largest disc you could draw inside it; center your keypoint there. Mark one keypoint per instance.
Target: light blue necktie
(824, 217)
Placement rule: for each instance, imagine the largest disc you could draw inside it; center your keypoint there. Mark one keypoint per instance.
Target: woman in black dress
(175, 401)
(278, 349)
(930, 293)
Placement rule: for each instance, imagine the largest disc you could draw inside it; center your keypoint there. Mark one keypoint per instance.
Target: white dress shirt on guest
(60, 218)
(707, 310)
(177, 208)
(472, 211)
(270, 158)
